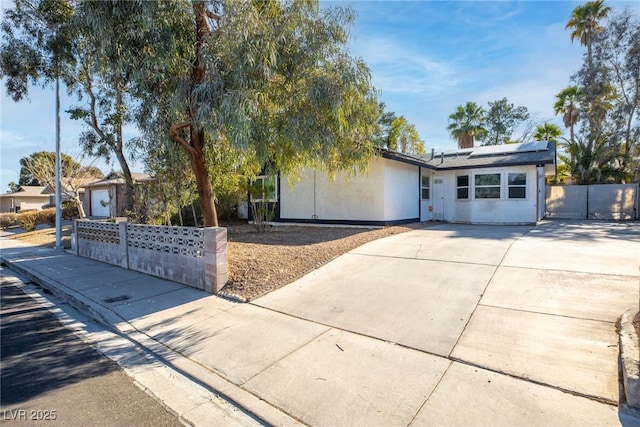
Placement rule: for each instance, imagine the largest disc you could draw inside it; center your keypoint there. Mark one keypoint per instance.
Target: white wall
(401, 191)
(387, 191)
(496, 211)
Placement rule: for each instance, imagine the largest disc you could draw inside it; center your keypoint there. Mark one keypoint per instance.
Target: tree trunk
(122, 160)
(207, 198)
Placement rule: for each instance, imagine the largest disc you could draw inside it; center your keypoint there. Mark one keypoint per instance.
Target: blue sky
(426, 58)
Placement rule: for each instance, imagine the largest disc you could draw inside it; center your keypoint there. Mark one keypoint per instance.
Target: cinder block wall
(196, 257)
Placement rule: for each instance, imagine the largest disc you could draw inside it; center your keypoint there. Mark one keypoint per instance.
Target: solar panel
(492, 150)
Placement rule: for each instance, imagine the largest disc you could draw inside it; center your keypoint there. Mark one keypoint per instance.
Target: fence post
(124, 245)
(215, 262)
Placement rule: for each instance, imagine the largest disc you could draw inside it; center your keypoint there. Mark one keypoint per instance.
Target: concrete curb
(252, 405)
(629, 364)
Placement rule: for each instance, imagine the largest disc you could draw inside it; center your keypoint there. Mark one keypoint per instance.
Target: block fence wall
(196, 257)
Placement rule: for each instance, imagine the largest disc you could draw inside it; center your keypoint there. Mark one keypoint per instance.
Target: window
(517, 185)
(425, 188)
(487, 186)
(264, 189)
(462, 187)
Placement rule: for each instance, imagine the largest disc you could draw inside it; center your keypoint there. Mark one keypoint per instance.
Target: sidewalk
(283, 370)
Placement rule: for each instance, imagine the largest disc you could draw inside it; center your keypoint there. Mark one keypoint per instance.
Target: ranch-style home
(27, 197)
(502, 184)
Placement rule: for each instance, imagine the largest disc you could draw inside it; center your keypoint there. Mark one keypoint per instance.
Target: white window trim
(499, 186)
(422, 187)
(468, 187)
(525, 186)
(275, 191)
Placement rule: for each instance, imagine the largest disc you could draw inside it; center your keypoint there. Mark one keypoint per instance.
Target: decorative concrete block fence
(196, 257)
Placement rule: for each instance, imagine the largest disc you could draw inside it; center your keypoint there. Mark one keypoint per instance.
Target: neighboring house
(106, 198)
(502, 184)
(27, 197)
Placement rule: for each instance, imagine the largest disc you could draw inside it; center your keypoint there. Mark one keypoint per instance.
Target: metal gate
(600, 201)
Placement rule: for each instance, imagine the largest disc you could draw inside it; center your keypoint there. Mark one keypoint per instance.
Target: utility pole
(58, 245)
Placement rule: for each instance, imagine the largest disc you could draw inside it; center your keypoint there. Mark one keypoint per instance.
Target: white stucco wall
(387, 191)
(401, 191)
(495, 211)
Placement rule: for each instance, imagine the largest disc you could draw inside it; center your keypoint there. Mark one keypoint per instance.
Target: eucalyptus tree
(44, 39)
(37, 44)
(467, 123)
(501, 121)
(616, 55)
(547, 132)
(252, 83)
(585, 23)
(404, 138)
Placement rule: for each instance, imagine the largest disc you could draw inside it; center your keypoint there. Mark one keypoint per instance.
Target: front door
(437, 198)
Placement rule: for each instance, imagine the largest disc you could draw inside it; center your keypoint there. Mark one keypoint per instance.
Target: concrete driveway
(524, 316)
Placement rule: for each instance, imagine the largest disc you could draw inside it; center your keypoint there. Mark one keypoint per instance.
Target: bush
(70, 212)
(47, 216)
(7, 220)
(28, 220)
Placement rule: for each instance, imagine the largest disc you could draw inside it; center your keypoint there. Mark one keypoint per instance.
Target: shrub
(70, 212)
(28, 220)
(47, 216)
(7, 220)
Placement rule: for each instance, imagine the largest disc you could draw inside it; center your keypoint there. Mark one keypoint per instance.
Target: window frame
(477, 187)
(423, 187)
(463, 187)
(510, 186)
(263, 178)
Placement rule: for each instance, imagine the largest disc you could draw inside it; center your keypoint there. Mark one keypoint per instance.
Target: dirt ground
(262, 262)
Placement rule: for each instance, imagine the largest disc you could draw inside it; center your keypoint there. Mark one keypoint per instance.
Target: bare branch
(173, 133)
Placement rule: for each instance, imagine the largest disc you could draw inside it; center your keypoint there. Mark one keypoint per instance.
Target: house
(502, 184)
(27, 197)
(106, 198)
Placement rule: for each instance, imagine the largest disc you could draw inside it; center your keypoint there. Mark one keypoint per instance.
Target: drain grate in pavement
(117, 299)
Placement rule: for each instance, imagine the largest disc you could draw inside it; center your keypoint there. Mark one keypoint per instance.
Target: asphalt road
(49, 376)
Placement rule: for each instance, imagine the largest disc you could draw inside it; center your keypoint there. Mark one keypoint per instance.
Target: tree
(13, 187)
(590, 161)
(50, 38)
(264, 83)
(42, 164)
(403, 137)
(585, 23)
(467, 123)
(37, 38)
(616, 55)
(567, 104)
(501, 121)
(385, 120)
(547, 132)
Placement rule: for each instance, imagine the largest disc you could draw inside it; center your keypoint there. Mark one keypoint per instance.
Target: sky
(425, 57)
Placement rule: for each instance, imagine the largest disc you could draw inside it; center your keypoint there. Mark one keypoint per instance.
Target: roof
(27, 191)
(116, 178)
(530, 153)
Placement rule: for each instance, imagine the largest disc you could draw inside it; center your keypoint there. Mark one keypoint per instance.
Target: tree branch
(173, 133)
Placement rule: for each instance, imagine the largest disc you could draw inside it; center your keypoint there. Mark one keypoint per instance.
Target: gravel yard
(262, 262)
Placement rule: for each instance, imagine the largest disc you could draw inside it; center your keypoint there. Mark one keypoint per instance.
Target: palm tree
(585, 24)
(591, 161)
(547, 132)
(467, 123)
(567, 105)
